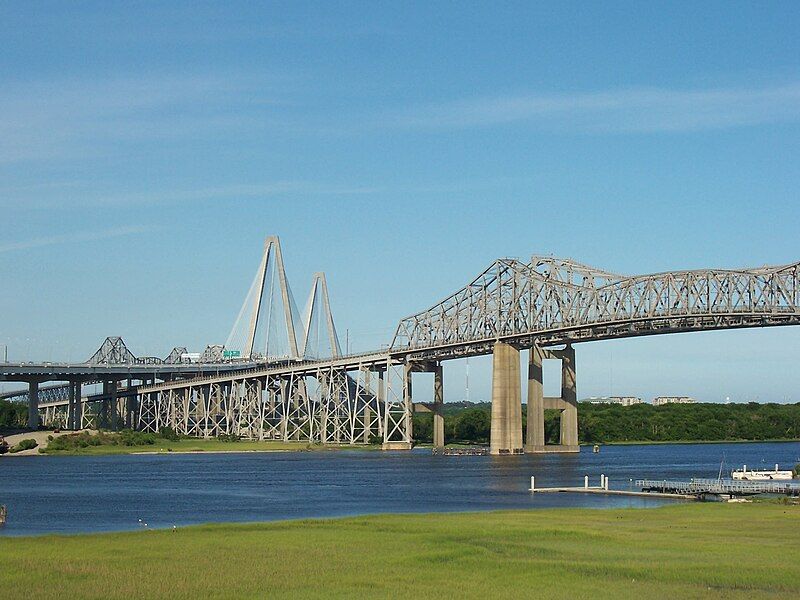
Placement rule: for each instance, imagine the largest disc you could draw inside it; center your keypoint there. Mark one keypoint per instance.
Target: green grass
(679, 551)
(201, 445)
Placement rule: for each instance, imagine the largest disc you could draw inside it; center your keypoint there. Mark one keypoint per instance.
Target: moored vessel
(777, 473)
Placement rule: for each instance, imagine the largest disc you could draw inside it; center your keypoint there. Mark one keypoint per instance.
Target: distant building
(661, 400)
(623, 400)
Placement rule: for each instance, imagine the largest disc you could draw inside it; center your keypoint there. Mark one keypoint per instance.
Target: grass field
(679, 551)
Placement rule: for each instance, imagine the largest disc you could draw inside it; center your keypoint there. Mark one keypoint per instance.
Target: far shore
(216, 446)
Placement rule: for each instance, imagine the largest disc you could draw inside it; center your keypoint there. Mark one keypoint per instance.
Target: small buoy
(596, 448)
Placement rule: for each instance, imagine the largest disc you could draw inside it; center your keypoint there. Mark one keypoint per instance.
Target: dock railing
(720, 486)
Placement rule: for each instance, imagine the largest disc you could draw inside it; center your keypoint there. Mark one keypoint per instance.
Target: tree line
(597, 423)
(13, 414)
(605, 423)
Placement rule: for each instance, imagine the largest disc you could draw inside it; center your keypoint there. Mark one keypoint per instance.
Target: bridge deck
(299, 368)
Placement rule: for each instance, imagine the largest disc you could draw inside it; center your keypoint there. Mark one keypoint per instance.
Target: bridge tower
(268, 321)
(318, 317)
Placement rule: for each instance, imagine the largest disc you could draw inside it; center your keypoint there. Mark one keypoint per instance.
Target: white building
(623, 400)
(661, 400)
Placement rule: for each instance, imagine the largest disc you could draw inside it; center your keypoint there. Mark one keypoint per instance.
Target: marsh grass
(685, 551)
(116, 443)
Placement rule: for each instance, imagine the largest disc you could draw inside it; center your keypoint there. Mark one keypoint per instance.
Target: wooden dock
(728, 487)
(604, 490)
(696, 489)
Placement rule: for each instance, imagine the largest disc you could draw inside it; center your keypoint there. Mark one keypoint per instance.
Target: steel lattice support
(325, 404)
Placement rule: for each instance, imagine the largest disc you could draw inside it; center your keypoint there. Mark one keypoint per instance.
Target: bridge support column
(506, 430)
(381, 400)
(534, 439)
(114, 406)
(33, 404)
(408, 408)
(367, 414)
(71, 407)
(566, 404)
(569, 416)
(77, 415)
(438, 407)
(130, 406)
(104, 416)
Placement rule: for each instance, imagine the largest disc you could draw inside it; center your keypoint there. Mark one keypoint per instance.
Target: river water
(75, 494)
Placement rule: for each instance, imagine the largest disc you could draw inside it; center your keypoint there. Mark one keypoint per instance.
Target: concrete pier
(71, 406)
(130, 406)
(506, 430)
(569, 394)
(77, 415)
(534, 439)
(566, 404)
(438, 408)
(104, 418)
(33, 404)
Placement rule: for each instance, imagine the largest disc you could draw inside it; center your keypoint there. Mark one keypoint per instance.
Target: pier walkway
(719, 487)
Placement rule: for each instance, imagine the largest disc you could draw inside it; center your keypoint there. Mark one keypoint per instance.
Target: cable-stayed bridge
(281, 375)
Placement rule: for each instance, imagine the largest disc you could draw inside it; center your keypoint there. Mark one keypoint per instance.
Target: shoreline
(195, 446)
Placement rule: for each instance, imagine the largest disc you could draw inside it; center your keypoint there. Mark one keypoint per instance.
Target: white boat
(761, 475)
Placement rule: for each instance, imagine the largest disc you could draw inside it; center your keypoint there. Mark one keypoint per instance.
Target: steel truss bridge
(283, 376)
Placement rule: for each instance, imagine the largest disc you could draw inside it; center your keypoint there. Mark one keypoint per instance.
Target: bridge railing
(721, 486)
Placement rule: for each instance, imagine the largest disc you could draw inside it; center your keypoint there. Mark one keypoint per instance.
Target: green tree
(473, 425)
(13, 414)
(423, 427)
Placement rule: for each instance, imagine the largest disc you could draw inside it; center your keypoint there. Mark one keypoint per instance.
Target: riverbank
(104, 443)
(563, 553)
(41, 437)
(200, 446)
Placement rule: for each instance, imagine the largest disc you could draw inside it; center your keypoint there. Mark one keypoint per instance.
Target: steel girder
(556, 301)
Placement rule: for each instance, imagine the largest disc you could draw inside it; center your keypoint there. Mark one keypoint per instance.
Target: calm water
(73, 494)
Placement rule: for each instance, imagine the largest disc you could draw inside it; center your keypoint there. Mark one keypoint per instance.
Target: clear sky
(147, 149)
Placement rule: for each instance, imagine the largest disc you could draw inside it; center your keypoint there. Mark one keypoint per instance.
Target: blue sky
(147, 149)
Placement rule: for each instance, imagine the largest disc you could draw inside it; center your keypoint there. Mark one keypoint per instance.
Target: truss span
(554, 301)
(352, 400)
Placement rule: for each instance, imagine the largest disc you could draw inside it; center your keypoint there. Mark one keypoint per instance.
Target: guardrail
(720, 486)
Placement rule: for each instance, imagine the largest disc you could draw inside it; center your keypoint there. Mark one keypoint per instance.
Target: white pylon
(261, 315)
(318, 300)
